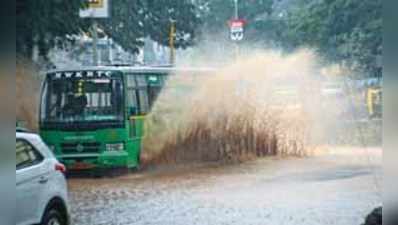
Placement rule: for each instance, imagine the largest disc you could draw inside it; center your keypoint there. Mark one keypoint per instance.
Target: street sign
(96, 9)
(236, 29)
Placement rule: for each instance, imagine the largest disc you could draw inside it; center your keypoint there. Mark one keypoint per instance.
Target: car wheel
(53, 217)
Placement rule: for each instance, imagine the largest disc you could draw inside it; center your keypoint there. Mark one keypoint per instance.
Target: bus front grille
(73, 148)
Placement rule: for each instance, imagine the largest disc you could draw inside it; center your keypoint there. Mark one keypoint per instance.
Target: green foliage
(342, 30)
(348, 31)
(216, 13)
(134, 20)
(46, 24)
(53, 23)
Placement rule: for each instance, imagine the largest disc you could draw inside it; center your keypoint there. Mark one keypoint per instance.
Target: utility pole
(236, 18)
(236, 9)
(171, 42)
(240, 90)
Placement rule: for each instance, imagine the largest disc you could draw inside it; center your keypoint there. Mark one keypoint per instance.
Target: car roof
(26, 135)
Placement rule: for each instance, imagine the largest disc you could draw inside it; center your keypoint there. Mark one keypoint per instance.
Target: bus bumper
(90, 161)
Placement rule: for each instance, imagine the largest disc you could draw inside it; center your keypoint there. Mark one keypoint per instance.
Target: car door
(28, 181)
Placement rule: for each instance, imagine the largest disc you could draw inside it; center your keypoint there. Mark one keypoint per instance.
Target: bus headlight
(115, 147)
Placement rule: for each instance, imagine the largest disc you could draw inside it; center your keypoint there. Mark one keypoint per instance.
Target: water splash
(264, 104)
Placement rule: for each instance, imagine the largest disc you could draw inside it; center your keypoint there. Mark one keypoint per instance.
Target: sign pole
(236, 9)
(236, 18)
(95, 9)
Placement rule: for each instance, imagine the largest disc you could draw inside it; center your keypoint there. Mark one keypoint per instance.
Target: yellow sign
(95, 4)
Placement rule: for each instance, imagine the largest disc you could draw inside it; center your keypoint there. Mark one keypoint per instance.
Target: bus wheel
(97, 173)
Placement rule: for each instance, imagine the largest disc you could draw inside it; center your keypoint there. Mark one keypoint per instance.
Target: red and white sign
(236, 29)
(237, 23)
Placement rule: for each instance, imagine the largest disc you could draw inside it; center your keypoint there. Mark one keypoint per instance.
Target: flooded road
(337, 187)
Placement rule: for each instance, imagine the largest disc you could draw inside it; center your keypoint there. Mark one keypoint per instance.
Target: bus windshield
(88, 99)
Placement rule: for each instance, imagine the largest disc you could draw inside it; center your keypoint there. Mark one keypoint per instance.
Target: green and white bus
(94, 117)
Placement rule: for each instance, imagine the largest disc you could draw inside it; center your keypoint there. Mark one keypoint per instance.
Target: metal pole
(236, 9)
(110, 47)
(95, 42)
(236, 17)
(171, 42)
(241, 89)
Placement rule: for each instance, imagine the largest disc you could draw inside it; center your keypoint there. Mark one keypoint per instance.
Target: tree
(213, 34)
(217, 13)
(47, 24)
(342, 30)
(132, 21)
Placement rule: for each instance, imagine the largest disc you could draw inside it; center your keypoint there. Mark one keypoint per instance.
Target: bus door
(137, 104)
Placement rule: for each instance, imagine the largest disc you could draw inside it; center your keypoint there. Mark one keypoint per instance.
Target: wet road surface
(338, 187)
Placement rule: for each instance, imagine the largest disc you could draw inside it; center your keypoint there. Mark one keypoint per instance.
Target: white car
(41, 188)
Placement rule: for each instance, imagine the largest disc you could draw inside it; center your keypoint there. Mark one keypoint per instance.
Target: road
(337, 186)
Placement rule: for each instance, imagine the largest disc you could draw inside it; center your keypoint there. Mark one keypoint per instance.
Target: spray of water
(263, 104)
(27, 95)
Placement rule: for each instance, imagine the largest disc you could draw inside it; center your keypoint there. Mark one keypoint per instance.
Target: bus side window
(142, 87)
(131, 82)
(144, 103)
(153, 93)
(141, 81)
(155, 85)
(132, 103)
(132, 100)
(137, 94)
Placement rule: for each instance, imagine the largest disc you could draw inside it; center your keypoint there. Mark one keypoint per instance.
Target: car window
(26, 154)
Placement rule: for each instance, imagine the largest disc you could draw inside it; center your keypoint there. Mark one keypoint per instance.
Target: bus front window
(82, 100)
